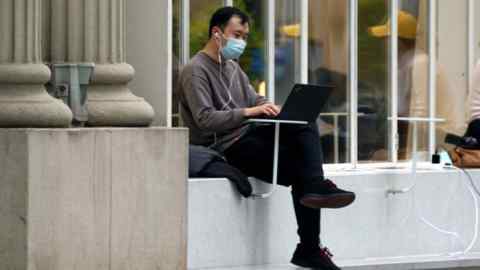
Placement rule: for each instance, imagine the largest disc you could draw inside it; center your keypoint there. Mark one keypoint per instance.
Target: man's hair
(222, 16)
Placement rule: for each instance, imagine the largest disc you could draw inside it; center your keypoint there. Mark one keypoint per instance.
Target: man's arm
(252, 94)
(198, 97)
(259, 99)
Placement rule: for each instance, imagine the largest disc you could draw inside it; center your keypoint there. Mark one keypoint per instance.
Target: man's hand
(268, 109)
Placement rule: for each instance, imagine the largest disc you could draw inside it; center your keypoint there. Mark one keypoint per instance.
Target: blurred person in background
(413, 92)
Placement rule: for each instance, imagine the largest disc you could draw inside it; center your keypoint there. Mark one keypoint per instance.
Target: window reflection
(328, 64)
(253, 60)
(328, 47)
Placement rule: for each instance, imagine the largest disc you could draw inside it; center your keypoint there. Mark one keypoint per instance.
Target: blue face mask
(233, 49)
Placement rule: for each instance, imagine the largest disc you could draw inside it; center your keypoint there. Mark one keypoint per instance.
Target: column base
(24, 101)
(111, 103)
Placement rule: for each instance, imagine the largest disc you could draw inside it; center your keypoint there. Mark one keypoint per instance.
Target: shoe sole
(305, 264)
(327, 201)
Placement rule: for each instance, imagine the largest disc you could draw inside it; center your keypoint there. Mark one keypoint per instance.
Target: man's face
(235, 29)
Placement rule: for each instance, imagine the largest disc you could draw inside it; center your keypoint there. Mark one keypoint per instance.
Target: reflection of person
(216, 99)
(413, 96)
(474, 126)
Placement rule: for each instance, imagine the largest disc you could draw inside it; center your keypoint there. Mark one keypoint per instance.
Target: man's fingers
(269, 109)
(266, 111)
(271, 112)
(274, 107)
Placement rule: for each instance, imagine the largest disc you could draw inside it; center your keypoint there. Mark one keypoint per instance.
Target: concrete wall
(376, 231)
(149, 52)
(96, 199)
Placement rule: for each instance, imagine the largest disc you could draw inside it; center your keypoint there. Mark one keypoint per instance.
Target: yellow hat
(407, 27)
(291, 30)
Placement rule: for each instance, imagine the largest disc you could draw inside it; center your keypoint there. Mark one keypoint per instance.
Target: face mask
(233, 49)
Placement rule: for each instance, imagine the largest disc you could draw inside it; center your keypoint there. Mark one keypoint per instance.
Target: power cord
(473, 191)
(430, 224)
(470, 178)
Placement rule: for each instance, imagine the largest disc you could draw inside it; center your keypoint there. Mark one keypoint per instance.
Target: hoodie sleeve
(254, 98)
(197, 95)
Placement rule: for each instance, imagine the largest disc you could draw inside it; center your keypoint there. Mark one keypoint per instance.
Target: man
(216, 99)
(413, 94)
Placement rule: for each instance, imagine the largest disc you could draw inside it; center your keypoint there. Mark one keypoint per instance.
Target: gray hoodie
(215, 119)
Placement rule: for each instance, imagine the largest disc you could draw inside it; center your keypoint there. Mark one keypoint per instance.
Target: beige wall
(148, 52)
(477, 30)
(452, 45)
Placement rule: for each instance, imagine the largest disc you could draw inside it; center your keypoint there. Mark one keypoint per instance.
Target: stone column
(94, 31)
(24, 101)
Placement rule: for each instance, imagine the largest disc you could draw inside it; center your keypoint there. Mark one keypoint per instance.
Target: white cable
(475, 235)
(475, 200)
(230, 81)
(471, 181)
(414, 205)
(227, 88)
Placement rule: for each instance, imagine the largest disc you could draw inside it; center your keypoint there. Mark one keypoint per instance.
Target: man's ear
(216, 32)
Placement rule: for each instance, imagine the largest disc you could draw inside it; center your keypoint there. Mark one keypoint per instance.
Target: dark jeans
(300, 162)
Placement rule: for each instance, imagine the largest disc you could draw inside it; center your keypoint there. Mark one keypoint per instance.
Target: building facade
(114, 192)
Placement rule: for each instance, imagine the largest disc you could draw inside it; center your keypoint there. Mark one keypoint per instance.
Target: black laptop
(304, 103)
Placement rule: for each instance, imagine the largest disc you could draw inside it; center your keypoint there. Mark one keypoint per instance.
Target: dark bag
(200, 157)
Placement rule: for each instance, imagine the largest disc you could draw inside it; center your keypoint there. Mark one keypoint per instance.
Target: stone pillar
(24, 101)
(94, 31)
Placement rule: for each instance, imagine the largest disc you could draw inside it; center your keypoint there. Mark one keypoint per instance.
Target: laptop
(304, 103)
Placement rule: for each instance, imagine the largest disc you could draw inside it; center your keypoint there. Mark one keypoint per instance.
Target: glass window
(452, 68)
(328, 64)
(413, 89)
(287, 48)
(200, 13)
(373, 77)
(198, 23)
(253, 60)
(177, 42)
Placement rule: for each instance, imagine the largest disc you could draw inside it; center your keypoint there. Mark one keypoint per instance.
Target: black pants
(300, 161)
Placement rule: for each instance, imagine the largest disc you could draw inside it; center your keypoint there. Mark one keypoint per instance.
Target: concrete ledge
(226, 231)
(94, 199)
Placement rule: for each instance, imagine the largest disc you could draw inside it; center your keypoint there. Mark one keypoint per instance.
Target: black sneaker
(317, 258)
(325, 194)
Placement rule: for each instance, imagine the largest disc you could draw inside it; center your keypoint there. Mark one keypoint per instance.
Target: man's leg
(308, 220)
(317, 191)
(300, 164)
(300, 160)
(254, 156)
